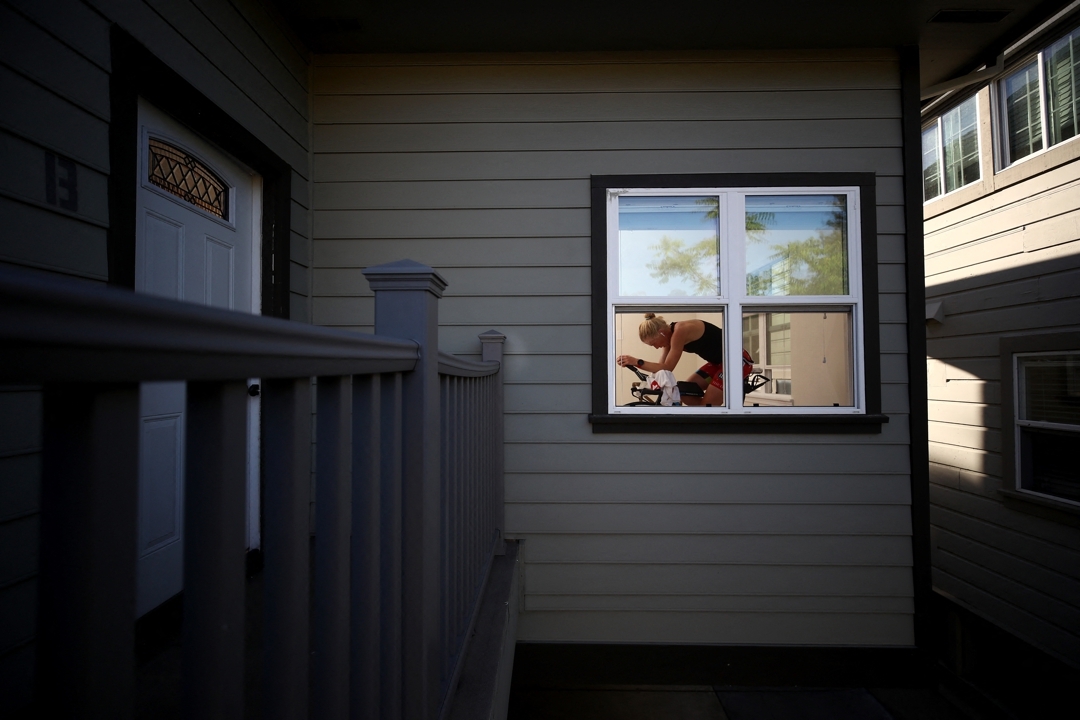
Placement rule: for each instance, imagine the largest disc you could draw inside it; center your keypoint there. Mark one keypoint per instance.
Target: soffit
(946, 49)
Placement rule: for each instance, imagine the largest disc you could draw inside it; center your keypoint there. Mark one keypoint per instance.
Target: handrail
(460, 367)
(69, 330)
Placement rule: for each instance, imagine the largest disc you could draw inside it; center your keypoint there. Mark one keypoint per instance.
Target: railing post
(86, 586)
(491, 343)
(406, 306)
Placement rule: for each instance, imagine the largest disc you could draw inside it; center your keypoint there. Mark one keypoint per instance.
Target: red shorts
(716, 370)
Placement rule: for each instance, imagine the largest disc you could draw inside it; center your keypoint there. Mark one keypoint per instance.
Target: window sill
(1043, 506)
(740, 424)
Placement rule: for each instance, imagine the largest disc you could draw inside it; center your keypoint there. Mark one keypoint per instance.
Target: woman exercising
(694, 336)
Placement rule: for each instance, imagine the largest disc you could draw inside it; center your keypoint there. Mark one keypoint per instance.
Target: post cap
(405, 275)
(492, 336)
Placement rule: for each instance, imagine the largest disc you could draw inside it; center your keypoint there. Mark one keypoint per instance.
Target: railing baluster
(86, 581)
(492, 351)
(365, 640)
(213, 645)
(391, 518)
(287, 480)
(333, 490)
(446, 618)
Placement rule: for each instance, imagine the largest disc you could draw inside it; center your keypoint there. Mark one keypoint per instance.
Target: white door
(197, 241)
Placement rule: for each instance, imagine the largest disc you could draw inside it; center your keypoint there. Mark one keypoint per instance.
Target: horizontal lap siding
(480, 167)
(55, 65)
(1005, 263)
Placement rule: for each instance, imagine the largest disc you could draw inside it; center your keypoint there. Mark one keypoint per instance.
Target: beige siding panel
(539, 602)
(567, 164)
(708, 579)
(1014, 541)
(452, 223)
(1011, 294)
(33, 112)
(75, 24)
(997, 514)
(467, 252)
(185, 55)
(652, 518)
(42, 239)
(36, 54)
(627, 106)
(286, 46)
(1023, 623)
(497, 282)
(730, 549)
(974, 414)
(981, 461)
(1058, 586)
(1049, 181)
(1035, 210)
(971, 391)
(452, 195)
(666, 487)
(22, 174)
(607, 77)
(965, 436)
(1052, 314)
(1009, 268)
(529, 339)
(592, 136)
(692, 628)
(220, 49)
(230, 20)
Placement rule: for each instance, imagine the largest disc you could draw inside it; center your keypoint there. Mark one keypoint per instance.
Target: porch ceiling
(947, 49)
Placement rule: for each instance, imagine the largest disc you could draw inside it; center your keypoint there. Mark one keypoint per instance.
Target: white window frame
(936, 123)
(1018, 423)
(1002, 160)
(733, 300)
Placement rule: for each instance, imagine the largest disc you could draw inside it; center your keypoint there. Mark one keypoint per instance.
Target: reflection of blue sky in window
(673, 233)
(789, 222)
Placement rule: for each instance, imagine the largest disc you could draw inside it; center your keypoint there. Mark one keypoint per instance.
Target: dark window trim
(138, 72)
(1042, 505)
(870, 422)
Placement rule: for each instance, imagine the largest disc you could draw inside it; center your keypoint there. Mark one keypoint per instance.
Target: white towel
(665, 380)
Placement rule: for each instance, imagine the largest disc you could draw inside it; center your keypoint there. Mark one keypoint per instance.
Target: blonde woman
(694, 336)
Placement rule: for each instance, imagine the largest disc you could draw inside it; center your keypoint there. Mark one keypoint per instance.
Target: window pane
(960, 135)
(1049, 462)
(1063, 83)
(1022, 112)
(931, 176)
(668, 246)
(1050, 389)
(628, 342)
(805, 359)
(796, 245)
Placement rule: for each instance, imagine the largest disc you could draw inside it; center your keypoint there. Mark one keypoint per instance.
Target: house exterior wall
(480, 166)
(55, 66)
(1003, 256)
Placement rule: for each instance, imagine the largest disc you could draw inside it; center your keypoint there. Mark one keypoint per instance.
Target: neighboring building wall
(480, 166)
(54, 78)
(1003, 255)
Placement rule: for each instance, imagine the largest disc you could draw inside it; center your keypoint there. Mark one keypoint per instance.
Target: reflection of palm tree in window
(675, 259)
(814, 266)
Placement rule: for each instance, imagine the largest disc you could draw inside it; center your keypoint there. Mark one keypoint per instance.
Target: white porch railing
(408, 496)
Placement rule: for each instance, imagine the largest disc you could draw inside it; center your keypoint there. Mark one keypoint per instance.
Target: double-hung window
(1047, 417)
(950, 150)
(778, 268)
(1038, 101)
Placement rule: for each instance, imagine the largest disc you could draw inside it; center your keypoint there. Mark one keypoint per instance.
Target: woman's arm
(685, 331)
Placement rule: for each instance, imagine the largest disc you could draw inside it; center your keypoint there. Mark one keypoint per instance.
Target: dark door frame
(137, 72)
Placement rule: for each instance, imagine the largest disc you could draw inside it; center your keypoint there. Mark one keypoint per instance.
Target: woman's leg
(701, 382)
(714, 396)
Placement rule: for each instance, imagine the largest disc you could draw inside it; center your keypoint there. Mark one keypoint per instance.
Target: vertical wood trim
(391, 571)
(86, 581)
(287, 476)
(333, 490)
(367, 668)
(214, 517)
(916, 340)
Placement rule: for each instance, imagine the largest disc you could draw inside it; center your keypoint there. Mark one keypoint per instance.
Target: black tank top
(709, 346)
